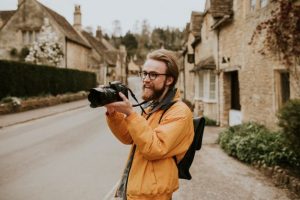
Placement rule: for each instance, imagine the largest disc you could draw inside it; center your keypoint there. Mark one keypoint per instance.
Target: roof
(207, 63)
(220, 8)
(5, 15)
(67, 28)
(109, 57)
(196, 23)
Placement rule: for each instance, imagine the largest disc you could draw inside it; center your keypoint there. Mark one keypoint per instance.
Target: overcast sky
(159, 13)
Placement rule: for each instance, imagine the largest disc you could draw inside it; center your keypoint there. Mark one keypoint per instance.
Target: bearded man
(159, 137)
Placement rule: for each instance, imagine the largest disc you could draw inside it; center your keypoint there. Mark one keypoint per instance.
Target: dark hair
(170, 59)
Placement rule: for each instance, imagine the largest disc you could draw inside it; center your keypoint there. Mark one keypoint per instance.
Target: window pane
(212, 86)
(252, 4)
(263, 3)
(201, 84)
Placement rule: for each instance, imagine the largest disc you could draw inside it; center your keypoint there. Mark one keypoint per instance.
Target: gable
(66, 27)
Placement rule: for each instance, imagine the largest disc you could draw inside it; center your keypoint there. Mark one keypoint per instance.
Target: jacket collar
(171, 96)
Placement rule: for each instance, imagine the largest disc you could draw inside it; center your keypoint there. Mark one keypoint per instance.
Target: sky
(130, 13)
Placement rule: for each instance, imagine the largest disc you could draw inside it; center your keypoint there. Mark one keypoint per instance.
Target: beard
(155, 93)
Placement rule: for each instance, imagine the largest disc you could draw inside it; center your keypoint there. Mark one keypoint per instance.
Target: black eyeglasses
(152, 75)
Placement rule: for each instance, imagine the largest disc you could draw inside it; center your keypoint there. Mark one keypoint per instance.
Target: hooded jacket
(153, 172)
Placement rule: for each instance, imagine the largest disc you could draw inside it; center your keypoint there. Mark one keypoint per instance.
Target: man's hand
(120, 106)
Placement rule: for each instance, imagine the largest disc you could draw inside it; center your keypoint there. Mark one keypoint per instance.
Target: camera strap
(139, 104)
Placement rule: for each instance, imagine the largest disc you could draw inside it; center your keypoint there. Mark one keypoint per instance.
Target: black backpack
(186, 162)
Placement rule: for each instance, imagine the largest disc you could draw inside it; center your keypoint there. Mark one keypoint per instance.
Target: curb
(41, 116)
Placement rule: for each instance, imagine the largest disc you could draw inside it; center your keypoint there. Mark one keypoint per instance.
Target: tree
(47, 49)
(131, 43)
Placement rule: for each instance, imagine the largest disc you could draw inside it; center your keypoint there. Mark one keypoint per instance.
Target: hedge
(25, 80)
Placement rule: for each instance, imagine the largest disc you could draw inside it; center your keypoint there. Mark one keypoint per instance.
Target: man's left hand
(122, 106)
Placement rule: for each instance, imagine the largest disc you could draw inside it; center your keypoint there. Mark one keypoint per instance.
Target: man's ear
(170, 80)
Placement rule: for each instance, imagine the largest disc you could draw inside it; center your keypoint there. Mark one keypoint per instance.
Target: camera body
(107, 94)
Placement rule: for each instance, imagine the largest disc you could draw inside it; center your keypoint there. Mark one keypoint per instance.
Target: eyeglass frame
(144, 74)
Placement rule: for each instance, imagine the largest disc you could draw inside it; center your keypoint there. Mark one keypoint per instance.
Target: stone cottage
(192, 37)
(21, 27)
(234, 83)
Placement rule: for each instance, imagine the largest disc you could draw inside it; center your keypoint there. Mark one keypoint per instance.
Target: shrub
(252, 142)
(289, 121)
(210, 122)
(25, 80)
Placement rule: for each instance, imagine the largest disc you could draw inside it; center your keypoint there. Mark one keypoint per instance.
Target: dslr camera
(107, 94)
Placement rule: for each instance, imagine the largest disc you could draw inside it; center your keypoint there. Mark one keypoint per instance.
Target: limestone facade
(22, 28)
(248, 86)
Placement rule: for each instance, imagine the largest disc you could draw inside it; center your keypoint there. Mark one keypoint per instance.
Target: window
(29, 37)
(263, 3)
(191, 58)
(282, 87)
(206, 86)
(212, 86)
(201, 85)
(252, 5)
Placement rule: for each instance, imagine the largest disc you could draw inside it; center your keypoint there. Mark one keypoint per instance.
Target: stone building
(21, 27)
(233, 81)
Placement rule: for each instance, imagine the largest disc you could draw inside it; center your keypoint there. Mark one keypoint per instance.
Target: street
(71, 155)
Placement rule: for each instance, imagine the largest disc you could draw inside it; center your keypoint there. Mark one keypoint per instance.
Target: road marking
(110, 194)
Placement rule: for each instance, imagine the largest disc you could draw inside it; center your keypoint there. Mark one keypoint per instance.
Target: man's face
(153, 89)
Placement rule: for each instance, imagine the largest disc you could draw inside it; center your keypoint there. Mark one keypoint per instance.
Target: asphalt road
(68, 156)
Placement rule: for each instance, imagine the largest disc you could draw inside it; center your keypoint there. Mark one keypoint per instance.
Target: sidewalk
(21, 117)
(216, 176)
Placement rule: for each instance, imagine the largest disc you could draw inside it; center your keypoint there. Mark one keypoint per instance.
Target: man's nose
(147, 78)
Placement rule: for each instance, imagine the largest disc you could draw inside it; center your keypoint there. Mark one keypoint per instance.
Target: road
(67, 156)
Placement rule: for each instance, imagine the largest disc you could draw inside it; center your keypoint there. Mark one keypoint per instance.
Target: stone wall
(77, 56)
(256, 72)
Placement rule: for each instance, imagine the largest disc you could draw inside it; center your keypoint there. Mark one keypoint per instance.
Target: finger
(123, 96)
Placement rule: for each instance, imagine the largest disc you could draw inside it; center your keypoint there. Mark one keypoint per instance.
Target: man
(157, 143)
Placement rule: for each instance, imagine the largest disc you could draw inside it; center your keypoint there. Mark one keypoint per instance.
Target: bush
(252, 142)
(23, 80)
(289, 121)
(210, 122)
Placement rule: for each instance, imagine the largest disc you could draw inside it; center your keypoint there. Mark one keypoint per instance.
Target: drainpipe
(218, 79)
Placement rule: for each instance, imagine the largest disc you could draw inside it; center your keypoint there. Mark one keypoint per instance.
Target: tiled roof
(220, 8)
(196, 23)
(207, 63)
(67, 28)
(5, 15)
(110, 56)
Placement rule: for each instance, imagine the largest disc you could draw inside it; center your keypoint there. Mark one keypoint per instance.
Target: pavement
(21, 117)
(216, 176)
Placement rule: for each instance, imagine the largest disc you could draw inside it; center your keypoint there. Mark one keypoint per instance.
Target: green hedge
(251, 142)
(24, 80)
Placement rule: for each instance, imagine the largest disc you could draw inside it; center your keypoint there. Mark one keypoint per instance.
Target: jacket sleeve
(118, 126)
(171, 137)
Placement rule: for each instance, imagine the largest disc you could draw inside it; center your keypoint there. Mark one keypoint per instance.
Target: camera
(107, 94)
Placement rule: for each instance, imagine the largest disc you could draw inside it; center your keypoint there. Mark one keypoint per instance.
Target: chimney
(77, 18)
(99, 33)
(20, 2)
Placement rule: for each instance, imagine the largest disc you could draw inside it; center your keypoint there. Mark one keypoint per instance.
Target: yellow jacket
(153, 173)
